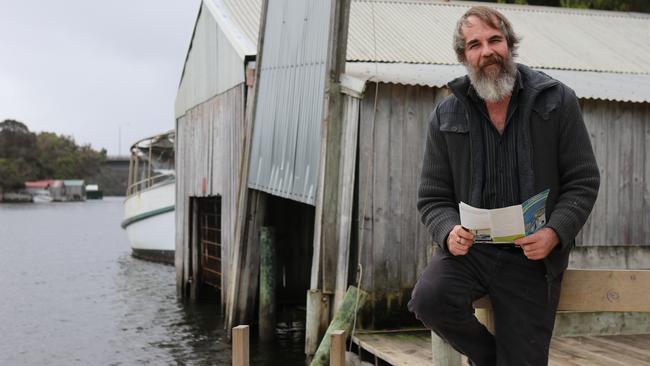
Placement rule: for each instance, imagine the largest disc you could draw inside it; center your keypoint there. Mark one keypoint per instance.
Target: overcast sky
(91, 68)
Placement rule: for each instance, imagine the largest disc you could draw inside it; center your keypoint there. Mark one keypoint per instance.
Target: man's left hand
(537, 246)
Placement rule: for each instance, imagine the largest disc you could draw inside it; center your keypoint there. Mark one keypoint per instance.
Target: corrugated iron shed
(286, 138)
(613, 46)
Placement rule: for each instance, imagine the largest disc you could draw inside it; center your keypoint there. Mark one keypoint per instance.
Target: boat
(150, 199)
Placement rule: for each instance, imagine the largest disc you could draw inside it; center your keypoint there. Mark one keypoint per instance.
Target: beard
(495, 83)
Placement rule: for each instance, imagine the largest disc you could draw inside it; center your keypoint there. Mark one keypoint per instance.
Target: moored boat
(150, 199)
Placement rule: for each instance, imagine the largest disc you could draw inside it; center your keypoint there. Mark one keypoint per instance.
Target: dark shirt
(501, 177)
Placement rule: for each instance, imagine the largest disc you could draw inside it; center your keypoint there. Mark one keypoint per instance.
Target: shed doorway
(208, 229)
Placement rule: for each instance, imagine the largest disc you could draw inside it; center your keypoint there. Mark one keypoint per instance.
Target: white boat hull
(149, 221)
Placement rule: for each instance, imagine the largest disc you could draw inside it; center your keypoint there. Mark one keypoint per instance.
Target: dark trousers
(523, 301)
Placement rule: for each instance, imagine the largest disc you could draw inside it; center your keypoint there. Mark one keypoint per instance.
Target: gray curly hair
(492, 18)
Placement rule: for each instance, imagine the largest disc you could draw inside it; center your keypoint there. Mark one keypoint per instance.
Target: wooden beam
(442, 353)
(194, 250)
(327, 200)
(486, 317)
(337, 352)
(266, 317)
(312, 322)
(600, 290)
(240, 343)
(242, 192)
(348, 161)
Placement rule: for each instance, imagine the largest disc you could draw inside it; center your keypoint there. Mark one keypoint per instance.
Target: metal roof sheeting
(240, 22)
(285, 152)
(552, 38)
(586, 84)
(611, 46)
(224, 34)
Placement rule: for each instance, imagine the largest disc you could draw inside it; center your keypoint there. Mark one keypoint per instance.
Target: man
(506, 133)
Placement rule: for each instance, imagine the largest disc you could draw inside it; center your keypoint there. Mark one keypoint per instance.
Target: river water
(73, 295)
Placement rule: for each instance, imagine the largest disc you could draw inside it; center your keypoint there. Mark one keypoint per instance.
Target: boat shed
(75, 190)
(331, 158)
(58, 190)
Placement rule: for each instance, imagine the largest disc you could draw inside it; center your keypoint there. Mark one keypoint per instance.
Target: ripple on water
(79, 298)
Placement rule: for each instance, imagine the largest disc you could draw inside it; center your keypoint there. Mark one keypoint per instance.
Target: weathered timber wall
(620, 135)
(394, 246)
(209, 141)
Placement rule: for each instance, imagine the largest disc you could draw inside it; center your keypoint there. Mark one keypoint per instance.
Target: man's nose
(486, 51)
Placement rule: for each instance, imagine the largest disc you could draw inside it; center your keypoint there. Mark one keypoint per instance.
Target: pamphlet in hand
(505, 225)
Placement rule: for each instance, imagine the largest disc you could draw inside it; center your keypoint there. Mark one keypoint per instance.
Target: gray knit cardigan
(553, 151)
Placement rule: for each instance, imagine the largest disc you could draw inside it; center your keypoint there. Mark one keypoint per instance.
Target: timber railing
(146, 183)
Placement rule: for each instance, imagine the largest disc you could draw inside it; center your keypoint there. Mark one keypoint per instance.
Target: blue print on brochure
(534, 210)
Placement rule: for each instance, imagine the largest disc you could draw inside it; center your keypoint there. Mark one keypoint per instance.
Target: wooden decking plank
(591, 355)
(641, 341)
(612, 353)
(572, 356)
(414, 348)
(618, 344)
(396, 348)
(560, 358)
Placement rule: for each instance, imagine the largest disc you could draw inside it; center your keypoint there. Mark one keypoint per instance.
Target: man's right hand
(459, 240)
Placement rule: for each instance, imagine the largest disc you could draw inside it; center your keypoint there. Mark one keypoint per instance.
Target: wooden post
(194, 247)
(242, 192)
(312, 322)
(267, 284)
(350, 122)
(486, 317)
(443, 354)
(240, 343)
(337, 352)
(342, 320)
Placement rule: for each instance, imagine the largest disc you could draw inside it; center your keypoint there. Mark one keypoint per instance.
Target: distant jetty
(53, 190)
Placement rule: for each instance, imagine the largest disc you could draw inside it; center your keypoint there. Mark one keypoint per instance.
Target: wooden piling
(337, 351)
(267, 284)
(343, 320)
(312, 322)
(240, 342)
(443, 354)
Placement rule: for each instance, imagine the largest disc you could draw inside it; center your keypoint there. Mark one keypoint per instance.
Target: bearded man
(506, 133)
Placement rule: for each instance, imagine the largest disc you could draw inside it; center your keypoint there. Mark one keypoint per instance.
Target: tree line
(25, 156)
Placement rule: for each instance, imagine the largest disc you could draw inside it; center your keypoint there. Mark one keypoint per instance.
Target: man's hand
(459, 240)
(538, 245)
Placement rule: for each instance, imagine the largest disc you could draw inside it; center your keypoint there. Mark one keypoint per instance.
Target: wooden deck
(413, 348)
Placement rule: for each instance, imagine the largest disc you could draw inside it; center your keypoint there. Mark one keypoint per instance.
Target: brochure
(505, 225)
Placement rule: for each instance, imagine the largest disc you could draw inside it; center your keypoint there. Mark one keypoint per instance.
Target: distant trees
(25, 155)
